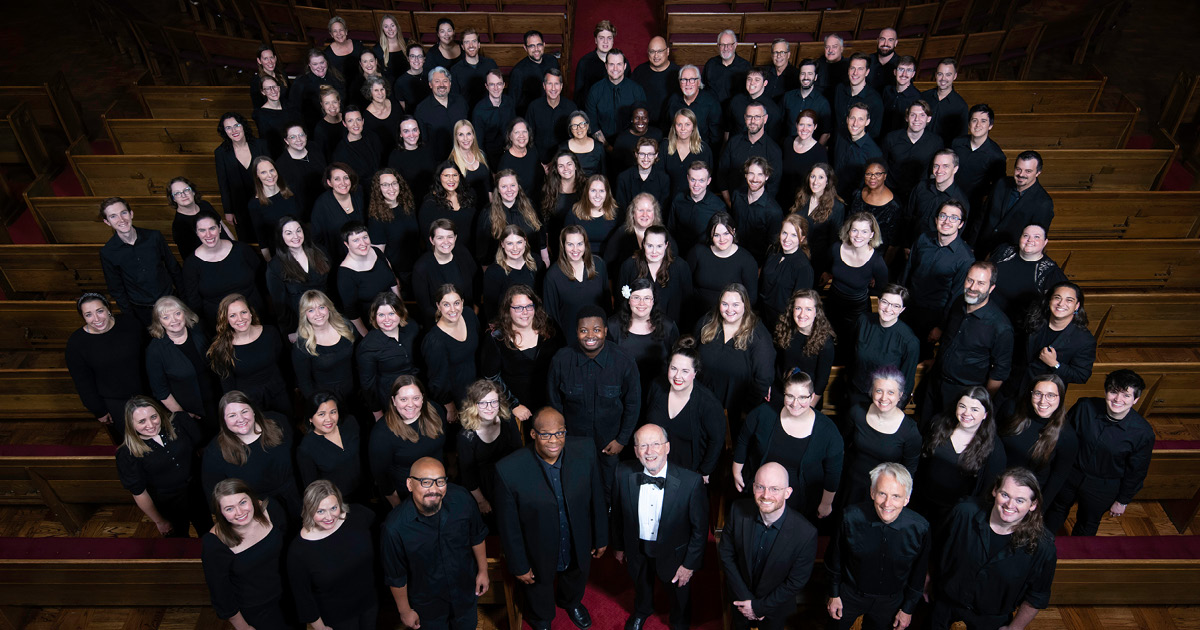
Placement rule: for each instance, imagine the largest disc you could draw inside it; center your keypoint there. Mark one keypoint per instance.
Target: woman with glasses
(517, 351)
(1038, 436)
(187, 202)
(880, 341)
(588, 150)
(272, 117)
(876, 199)
(392, 223)
(412, 87)
(488, 434)
(878, 432)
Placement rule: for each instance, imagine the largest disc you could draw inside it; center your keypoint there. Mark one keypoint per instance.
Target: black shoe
(635, 623)
(539, 625)
(580, 617)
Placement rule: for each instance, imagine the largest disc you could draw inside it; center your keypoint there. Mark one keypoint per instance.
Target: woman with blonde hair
(256, 447)
(246, 354)
(389, 52)
(178, 375)
(642, 212)
(736, 351)
(414, 426)
(509, 207)
(471, 162)
(595, 212)
(323, 355)
(684, 146)
(514, 264)
(158, 465)
(488, 434)
(241, 556)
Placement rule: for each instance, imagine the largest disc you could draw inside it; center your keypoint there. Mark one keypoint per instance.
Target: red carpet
(636, 22)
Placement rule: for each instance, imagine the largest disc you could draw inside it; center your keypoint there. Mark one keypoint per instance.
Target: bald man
(659, 77)
(767, 551)
(660, 525)
(435, 572)
(552, 518)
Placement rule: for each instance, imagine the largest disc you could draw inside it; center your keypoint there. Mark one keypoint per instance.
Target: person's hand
(682, 576)
(1117, 508)
(738, 484)
(903, 619)
(105, 419)
(451, 413)
(482, 582)
(934, 335)
(484, 506)
(705, 478)
(230, 219)
(824, 509)
(927, 590)
(292, 338)
(596, 553)
(195, 416)
(521, 412)
(614, 448)
(321, 625)
(834, 606)
(620, 556)
(411, 619)
(526, 578)
(826, 278)
(1049, 356)
(164, 527)
(378, 415)
(746, 609)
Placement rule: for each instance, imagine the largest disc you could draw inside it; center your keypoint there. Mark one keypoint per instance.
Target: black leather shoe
(635, 623)
(580, 617)
(540, 625)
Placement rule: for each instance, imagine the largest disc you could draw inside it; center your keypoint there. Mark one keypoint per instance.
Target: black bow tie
(658, 482)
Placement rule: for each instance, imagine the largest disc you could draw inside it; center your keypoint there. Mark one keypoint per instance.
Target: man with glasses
(932, 192)
(937, 266)
(703, 104)
(433, 552)
(725, 73)
(660, 526)
(659, 77)
(491, 116)
(767, 551)
(552, 519)
(138, 266)
(781, 76)
(898, 96)
(757, 82)
(525, 80)
(753, 142)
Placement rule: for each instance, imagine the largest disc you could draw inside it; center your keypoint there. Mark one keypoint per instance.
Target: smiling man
(1016, 202)
(138, 265)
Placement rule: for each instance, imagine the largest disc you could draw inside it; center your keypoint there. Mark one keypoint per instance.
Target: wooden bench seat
(40, 394)
(50, 271)
(1079, 130)
(107, 175)
(76, 220)
(1015, 97)
(141, 136)
(51, 105)
(1126, 571)
(1099, 169)
(70, 480)
(21, 142)
(1080, 214)
(1129, 264)
(163, 101)
(1145, 319)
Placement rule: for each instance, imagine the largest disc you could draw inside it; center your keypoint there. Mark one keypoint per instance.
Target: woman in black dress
(514, 264)
(878, 433)
(234, 177)
(588, 150)
(961, 457)
(445, 263)
(179, 376)
(446, 51)
(412, 86)
(877, 200)
(883, 340)
(655, 261)
(271, 117)
(578, 279)
(331, 563)
(509, 207)
(819, 204)
(684, 146)
(450, 349)
(104, 359)
(786, 270)
(387, 352)
(272, 201)
(299, 265)
(595, 212)
(449, 198)
(640, 329)
(719, 262)
(488, 434)
(390, 50)
(158, 465)
(642, 212)
(804, 340)
(736, 347)
(413, 427)
(242, 557)
(329, 130)
(246, 355)
(858, 272)
(471, 162)
(340, 204)
(323, 354)
(359, 93)
(380, 115)
(802, 440)
(357, 147)
(187, 202)
(268, 68)
(363, 274)
(688, 410)
(218, 268)
(1038, 436)
(799, 156)
(330, 446)
(564, 184)
(520, 157)
(517, 350)
(342, 53)
(256, 447)
(392, 223)
(305, 94)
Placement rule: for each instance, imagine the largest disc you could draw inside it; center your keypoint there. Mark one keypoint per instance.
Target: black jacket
(997, 226)
(683, 525)
(787, 569)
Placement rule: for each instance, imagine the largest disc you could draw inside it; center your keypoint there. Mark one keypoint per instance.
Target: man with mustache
(1016, 202)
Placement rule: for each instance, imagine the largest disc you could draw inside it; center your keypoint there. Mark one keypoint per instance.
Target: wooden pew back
(75, 220)
(1116, 214)
(39, 394)
(1129, 264)
(1145, 319)
(51, 105)
(42, 271)
(162, 101)
(21, 142)
(151, 136)
(134, 175)
(1090, 130)
(37, 326)
(1014, 97)
(1094, 169)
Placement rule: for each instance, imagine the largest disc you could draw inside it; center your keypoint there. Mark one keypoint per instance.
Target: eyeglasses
(560, 434)
(297, 136)
(428, 482)
(489, 404)
(416, 56)
(942, 216)
(788, 398)
(887, 304)
(581, 125)
(1045, 396)
(270, 88)
(389, 184)
(641, 299)
(180, 193)
(779, 53)
(537, 45)
(874, 175)
(233, 126)
(653, 446)
(688, 79)
(648, 156)
(758, 487)
(656, 51)
(755, 117)
(522, 308)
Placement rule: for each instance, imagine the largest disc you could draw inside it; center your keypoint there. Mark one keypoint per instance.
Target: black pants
(437, 616)
(184, 509)
(878, 611)
(643, 570)
(771, 622)
(945, 614)
(563, 588)
(922, 320)
(1095, 496)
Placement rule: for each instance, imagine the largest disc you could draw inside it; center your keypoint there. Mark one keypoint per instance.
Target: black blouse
(328, 217)
(697, 432)
(182, 371)
(711, 274)
(1052, 474)
(796, 167)
(739, 378)
(450, 362)
(429, 274)
(319, 458)
(497, 281)
(868, 448)
(650, 352)
(401, 241)
(332, 368)
(564, 296)
(392, 456)
(285, 294)
(266, 217)
(669, 299)
(357, 289)
(887, 215)
(817, 366)
(522, 373)
(167, 470)
(255, 370)
(205, 283)
(334, 578)
(599, 230)
(782, 275)
(268, 472)
(106, 366)
(250, 580)
(381, 359)
(477, 459)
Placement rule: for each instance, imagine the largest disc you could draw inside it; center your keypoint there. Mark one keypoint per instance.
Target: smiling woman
(255, 447)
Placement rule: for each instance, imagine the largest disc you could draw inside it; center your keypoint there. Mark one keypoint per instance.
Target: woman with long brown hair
(392, 223)
(787, 269)
(272, 201)
(514, 264)
(256, 447)
(1038, 436)
(819, 204)
(736, 349)
(509, 207)
(804, 339)
(413, 427)
(654, 261)
(596, 212)
(450, 348)
(518, 349)
(245, 354)
(564, 184)
(578, 279)
(299, 265)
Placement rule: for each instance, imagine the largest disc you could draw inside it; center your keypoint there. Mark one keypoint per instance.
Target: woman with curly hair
(564, 184)
(488, 434)
(323, 355)
(878, 432)
(509, 207)
(688, 410)
(246, 355)
(514, 264)
(819, 204)
(579, 278)
(449, 198)
(380, 115)
(640, 329)
(392, 222)
(654, 260)
(299, 265)
(413, 427)
(804, 339)
(736, 347)
(256, 447)
(1038, 436)
(786, 269)
(518, 349)
(235, 179)
(471, 162)
(388, 351)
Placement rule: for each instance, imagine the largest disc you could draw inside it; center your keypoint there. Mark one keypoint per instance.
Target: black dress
(268, 472)
(887, 215)
(711, 274)
(464, 220)
(486, 243)
(451, 363)
(697, 432)
(796, 167)
(272, 126)
(183, 229)
(364, 155)
(739, 378)
(266, 217)
(317, 457)
(328, 217)
(497, 281)
(401, 240)
(530, 174)
(817, 366)
(480, 182)
(170, 473)
(332, 368)
(249, 582)
(429, 274)
(782, 275)
(564, 296)
(236, 183)
(850, 294)
(823, 234)
(381, 359)
(255, 372)
(416, 167)
(867, 448)
(1052, 474)
(592, 162)
(205, 283)
(325, 137)
(285, 294)
(304, 176)
(107, 369)
(651, 352)
(392, 456)
(357, 289)
(387, 130)
(598, 230)
(334, 578)
(941, 481)
(814, 463)
(522, 373)
(677, 167)
(670, 299)
(477, 459)
(182, 371)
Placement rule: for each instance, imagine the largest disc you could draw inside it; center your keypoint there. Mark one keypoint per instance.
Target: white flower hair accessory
(625, 292)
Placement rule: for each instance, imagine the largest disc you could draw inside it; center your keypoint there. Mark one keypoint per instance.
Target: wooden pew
(1015, 97)
(1126, 571)
(40, 394)
(68, 480)
(134, 175)
(698, 54)
(1174, 481)
(1145, 319)
(147, 136)
(1125, 214)
(1171, 388)
(161, 101)
(1129, 264)
(46, 271)
(1082, 130)
(21, 142)
(53, 107)
(507, 55)
(37, 326)
(76, 220)
(1094, 169)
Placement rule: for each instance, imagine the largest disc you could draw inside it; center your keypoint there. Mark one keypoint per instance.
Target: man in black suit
(767, 551)
(1016, 202)
(552, 518)
(659, 525)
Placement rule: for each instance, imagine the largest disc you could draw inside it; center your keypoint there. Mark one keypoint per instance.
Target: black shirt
(950, 115)
(317, 457)
(490, 122)
(876, 347)
(780, 84)
(549, 125)
(895, 106)
(978, 169)
(610, 105)
(850, 160)
(659, 85)
(410, 89)
(795, 101)
(416, 167)
(470, 80)
(925, 201)
(600, 397)
(689, 218)
(726, 80)
(975, 347)
(553, 474)
(140, 273)
(1053, 473)
(333, 578)
(764, 540)
(758, 223)
(304, 177)
(437, 122)
(777, 125)
(934, 273)
(391, 456)
(432, 555)
(1112, 449)
(363, 155)
(357, 289)
(843, 99)
(630, 184)
(525, 80)
(907, 161)
(168, 469)
(740, 148)
(381, 359)
(250, 578)
(708, 116)
(331, 368)
(877, 558)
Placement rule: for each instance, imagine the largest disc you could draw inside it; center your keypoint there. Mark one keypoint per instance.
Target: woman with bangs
(387, 352)
(514, 265)
(256, 447)
(804, 339)
(655, 261)
(736, 348)
(363, 274)
(392, 223)
(520, 157)
(640, 329)
(446, 263)
(246, 354)
(299, 265)
(786, 270)
(578, 279)
(518, 349)
(488, 434)
(414, 426)
(509, 207)
(596, 213)
(323, 355)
